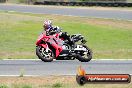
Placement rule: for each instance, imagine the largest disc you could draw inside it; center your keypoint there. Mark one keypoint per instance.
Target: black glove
(64, 35)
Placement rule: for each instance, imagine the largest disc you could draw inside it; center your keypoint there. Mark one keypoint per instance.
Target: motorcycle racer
(56, 31)
(49, 29)
(55, 44)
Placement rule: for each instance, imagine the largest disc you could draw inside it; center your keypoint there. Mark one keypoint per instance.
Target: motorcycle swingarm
(64, 53)
(67, 53)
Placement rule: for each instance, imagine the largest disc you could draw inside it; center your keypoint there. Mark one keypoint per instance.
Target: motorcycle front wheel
(44, 55)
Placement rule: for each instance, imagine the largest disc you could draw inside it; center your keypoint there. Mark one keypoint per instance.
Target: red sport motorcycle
(52, 47)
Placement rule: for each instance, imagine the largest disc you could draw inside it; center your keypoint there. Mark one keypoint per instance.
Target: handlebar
(76, 37)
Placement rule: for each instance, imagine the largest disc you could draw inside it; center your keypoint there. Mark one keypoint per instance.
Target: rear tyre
(43, 55)
(85, 56)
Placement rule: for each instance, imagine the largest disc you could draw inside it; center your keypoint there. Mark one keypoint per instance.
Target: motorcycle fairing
(55, 43)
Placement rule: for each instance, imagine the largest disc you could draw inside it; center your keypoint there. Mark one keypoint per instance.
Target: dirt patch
(12, 16)
(39, 80)
(111, 23)
(121, 24)
(10, 55)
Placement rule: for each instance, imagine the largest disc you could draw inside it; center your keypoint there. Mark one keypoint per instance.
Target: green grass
(12, 1)
(19, 31)
(129, 0)
(22, 85)
(57, 85)
(3, 86)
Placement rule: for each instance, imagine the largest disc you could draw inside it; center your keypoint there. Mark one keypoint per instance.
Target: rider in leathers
(50, 30)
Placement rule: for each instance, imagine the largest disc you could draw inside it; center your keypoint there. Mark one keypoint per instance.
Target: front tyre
(44, 55)
(85, 56)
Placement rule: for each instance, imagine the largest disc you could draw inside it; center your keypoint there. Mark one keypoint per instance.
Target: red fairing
(42, 37)
(44, 45)
(57, 35)
(58, 49)
(53, 40)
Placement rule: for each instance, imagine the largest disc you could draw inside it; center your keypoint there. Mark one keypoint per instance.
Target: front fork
(45, 46)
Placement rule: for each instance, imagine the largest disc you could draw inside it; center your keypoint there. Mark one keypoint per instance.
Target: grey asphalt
(37, 67)
(112, 14)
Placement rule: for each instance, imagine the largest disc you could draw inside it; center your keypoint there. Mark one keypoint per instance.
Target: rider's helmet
(47, 25)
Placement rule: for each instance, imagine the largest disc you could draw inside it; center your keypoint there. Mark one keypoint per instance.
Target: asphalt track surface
(89, 12)
(38, 68)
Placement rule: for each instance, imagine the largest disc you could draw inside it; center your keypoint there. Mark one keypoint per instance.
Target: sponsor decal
(83, 78)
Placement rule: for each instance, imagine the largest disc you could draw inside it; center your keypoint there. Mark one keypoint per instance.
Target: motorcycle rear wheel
(43, 55)
(87, 57)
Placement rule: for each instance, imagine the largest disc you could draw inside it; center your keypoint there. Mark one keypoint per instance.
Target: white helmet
(47, 24)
